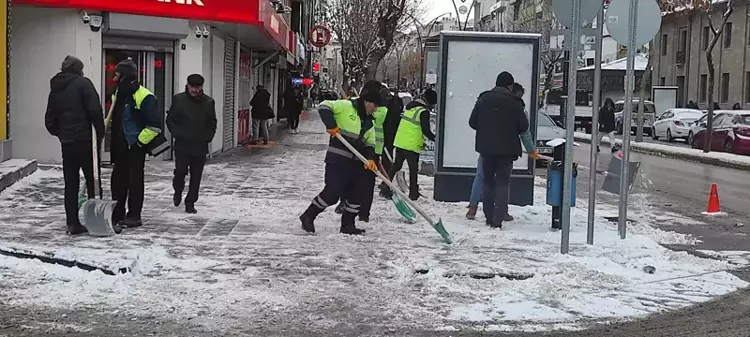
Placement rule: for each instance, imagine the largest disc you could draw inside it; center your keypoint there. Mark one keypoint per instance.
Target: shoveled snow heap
(249, 264)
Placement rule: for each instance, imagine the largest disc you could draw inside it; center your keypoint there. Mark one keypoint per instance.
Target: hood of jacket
(417, 102)
(62, 80)
(501, 91)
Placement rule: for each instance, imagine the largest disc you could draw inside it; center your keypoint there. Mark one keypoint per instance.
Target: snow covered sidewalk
(243, 264)
(713, 158)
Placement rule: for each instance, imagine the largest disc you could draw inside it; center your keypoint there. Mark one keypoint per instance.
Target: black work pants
(128, 184)
(384, 157)
(77, 156)
(412, 159)
(184, 164)
(294, 120)
(495, 186)
(345, 180)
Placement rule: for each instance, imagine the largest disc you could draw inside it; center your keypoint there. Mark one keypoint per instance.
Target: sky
(437, 7)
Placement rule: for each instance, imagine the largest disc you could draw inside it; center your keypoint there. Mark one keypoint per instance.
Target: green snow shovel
(401, 206)
(438, 226)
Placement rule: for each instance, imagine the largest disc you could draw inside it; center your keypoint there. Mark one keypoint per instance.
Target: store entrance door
(155, 73)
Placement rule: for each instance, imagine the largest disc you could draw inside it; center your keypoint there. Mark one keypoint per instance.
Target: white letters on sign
(184, 2)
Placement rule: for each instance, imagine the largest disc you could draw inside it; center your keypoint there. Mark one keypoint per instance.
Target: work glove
(334, 131)
(371, 165)
(534, 155)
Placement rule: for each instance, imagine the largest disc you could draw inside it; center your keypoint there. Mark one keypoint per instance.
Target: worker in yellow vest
(345, 176)
(409, 142)
(136, 131)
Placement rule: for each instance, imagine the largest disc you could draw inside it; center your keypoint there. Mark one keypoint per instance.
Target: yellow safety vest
(379, 135)
(409, 134)
(348, 120)
(145, 135)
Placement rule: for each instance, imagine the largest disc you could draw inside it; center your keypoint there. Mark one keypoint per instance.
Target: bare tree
(366, 30)
(716, 34)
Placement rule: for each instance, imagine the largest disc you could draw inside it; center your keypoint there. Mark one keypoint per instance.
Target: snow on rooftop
(620, 64)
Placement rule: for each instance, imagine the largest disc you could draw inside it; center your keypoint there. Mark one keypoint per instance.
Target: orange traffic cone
(713, 201)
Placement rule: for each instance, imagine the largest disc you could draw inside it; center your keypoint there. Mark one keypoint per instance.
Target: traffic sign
(564, 11)
(320, 36)
(649, 21)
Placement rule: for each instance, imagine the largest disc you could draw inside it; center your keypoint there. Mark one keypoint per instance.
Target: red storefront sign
(230, 11)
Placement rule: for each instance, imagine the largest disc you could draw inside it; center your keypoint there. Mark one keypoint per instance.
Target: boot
(364, 217)
(177, 198)
(308, 218)
(414, 194)
(77, 229)
(130, 223)
(347, 225)
(190, 208)
(598, 149)
(508, 217)
(471, 214)
(385, 192)
(339, 208)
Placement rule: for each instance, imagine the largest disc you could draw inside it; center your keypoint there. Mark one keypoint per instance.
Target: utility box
(469, 65)
(555, 184)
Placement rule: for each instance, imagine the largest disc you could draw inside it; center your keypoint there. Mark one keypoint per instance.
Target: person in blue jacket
(135, 123)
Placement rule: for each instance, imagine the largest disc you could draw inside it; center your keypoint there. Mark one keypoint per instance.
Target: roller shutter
(230, 72)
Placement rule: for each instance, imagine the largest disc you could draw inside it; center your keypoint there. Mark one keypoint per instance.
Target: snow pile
(244, 262)
(719, 158)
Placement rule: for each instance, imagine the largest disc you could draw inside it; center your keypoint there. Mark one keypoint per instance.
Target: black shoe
(351, 230)
(265, 142)
(339, 209)
(598, 149)
(307, 223)
(496, 225)
(364, 218)
(414, 196)
(177, 198)
(385, 194)
(190, 209)
(507, 218)
(130, 223)
(77, 230)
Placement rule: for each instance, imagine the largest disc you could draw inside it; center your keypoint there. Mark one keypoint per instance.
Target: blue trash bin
(555, 183)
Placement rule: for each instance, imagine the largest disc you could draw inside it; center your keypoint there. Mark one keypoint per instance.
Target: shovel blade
(441, 230)
(404, 209)
(96, 216)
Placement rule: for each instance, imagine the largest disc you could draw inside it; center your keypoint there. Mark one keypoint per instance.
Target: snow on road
(244, 262)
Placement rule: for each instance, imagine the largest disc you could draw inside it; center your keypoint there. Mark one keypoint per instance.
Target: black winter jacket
(72, 107)
(499, 119)
(606, 119)
(392, 119)
(192, 122)
(260, 104)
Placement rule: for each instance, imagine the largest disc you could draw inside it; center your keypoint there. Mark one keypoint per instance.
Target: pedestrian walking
(293, 105)
(261, 112)
(736, 106)
(192, 122)
(499, 119)
(476, 188)
(409, 142)
(135, 123)
(345, 176)
(692, 105)
(73, 107)
(607, 123)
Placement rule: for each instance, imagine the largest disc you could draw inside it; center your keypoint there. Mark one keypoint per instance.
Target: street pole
(574, 43)
(626, 116)
(595, 125)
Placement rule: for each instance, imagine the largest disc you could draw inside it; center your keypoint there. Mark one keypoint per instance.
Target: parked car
(675, 123)
(582, 119)
(731, 132)
(547, 129)
(649, 110)
(698, 125)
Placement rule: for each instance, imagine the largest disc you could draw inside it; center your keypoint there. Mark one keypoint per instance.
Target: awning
(255, 22)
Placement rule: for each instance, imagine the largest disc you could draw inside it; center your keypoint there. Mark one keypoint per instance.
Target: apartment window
(664, 44)
(589, 62)
(728, 35)
(724, 88)
(663, 81)
(683, 40)
(747, 87)
(705, 38)
(703, 88)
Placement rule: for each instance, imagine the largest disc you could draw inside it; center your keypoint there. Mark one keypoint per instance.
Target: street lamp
(458, 13)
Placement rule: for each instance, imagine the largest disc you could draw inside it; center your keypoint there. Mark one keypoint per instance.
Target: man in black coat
(261, 111)
(499, 119)
(73, 107)
(192, 122)
(390, 125)
(607, 122)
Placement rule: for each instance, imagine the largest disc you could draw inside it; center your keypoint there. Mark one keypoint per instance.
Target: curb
(677, 155)
(10, 178)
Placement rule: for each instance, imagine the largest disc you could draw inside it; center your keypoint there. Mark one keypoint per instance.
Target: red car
(731, 133)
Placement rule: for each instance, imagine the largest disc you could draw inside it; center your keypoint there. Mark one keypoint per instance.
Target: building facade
(234, 45)
(680, 58)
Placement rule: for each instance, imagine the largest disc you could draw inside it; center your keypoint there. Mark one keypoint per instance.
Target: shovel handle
(390, 184)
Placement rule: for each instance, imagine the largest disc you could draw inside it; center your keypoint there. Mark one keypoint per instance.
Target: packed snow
(733, 160)
(243, 262)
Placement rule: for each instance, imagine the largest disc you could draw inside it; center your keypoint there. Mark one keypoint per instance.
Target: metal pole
(570, 126)
(626, 120)
(595, 125)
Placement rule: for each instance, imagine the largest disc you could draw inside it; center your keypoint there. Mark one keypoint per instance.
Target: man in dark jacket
(136, 121)
(192, 122)
(607, 122)
(260, 113)
(499, 119)
(293, 105)
(390, 126)
(73, 107)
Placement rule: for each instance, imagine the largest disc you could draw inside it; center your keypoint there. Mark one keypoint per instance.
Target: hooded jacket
(607, 116)
(500, 120)
(192, 122)
(73, 106)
